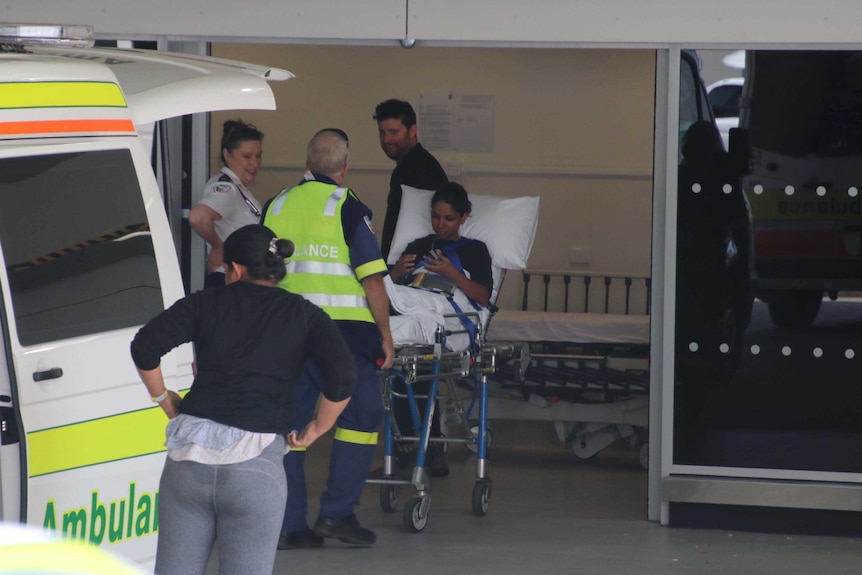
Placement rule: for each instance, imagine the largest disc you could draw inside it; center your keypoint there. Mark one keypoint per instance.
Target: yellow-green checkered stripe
(17, 95)
(112, 438)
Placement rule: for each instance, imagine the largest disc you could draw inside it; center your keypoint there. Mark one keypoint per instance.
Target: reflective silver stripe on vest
(324, 299)
(320, 268)
(277, 203)
(328, 210)
(332, 202)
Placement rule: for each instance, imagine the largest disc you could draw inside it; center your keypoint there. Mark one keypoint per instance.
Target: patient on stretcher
(447, 263)
(506, 228)
(456, 261)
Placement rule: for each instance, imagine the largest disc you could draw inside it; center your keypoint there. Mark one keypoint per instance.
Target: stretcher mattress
(538, 326)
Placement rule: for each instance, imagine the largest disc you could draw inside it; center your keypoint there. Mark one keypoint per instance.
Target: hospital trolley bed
(441, 339)
(587, 369)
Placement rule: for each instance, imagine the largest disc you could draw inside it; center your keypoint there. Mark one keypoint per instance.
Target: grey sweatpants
(240, 504)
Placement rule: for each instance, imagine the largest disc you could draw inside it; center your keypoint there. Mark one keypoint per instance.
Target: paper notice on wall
(474, 123)
(435, 121)
(456, 122)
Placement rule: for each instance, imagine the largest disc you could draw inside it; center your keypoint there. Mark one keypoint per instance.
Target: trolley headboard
(596, 292)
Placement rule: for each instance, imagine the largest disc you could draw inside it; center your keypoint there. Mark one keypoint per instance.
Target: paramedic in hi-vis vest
(337, 265)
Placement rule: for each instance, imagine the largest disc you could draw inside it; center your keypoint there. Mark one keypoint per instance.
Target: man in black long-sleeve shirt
(416, 167)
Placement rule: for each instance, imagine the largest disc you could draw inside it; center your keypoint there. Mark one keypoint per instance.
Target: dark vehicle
(715, 270)
(803, 112)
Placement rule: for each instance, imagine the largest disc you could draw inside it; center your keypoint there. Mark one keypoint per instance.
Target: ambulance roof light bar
(58, 35)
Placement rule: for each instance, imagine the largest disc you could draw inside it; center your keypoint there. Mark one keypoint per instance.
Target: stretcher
(458, 378)
(441, 340)
(588, 368)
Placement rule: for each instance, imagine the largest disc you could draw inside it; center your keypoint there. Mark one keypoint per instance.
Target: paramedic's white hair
(327, 152)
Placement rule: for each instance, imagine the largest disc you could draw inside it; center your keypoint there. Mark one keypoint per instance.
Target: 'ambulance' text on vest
(318, 250)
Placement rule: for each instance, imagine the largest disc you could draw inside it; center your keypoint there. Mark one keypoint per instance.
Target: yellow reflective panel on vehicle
(112, 438)
(61, 557)
(804, 206)
(14, 95)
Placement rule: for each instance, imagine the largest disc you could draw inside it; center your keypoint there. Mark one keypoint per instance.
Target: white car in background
(724, 98)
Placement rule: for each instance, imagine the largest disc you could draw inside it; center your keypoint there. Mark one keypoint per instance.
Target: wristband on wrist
(160, 398)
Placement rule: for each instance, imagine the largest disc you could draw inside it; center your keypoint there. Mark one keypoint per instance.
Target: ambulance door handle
(52, 373)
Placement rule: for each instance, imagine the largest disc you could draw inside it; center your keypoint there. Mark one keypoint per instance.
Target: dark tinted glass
(725, 100)
(76, 244)
(769, 274)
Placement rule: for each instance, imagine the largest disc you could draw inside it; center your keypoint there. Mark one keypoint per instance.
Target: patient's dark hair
(256, 247)
(455, 195)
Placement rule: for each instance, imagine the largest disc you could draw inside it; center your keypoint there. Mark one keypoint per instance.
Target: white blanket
(422, 312)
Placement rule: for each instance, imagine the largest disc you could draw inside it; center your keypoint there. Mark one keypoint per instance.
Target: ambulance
(87, 258)
(802, 111)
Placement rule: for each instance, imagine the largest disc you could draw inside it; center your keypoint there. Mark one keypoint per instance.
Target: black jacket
(251, 343)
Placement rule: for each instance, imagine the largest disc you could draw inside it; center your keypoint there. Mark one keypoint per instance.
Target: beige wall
(572, 126)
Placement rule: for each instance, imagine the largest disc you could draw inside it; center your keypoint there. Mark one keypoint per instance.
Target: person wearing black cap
(223, 477)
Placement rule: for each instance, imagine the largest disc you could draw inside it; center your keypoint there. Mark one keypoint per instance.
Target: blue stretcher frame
(437, 365)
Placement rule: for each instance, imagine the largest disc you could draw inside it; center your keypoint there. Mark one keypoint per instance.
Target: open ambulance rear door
(87, 258)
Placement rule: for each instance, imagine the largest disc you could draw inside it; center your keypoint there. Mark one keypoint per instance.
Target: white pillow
(506, 225)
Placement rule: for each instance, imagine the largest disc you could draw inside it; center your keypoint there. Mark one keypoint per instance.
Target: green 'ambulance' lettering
(124, 518)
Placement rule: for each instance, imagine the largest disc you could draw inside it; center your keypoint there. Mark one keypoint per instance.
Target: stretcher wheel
(414, 520)
(481, 497)
(583, 451)
(388, 498)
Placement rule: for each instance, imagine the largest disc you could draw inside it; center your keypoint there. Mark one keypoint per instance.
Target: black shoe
(346, 530)
(405, 456)
(436, 460)
(304, 539)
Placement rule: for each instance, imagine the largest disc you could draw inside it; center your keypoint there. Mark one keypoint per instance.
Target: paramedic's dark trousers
(353, 447)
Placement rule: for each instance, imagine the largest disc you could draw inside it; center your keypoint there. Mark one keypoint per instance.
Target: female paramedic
(226, 203)
(463, 261)
(223, 476)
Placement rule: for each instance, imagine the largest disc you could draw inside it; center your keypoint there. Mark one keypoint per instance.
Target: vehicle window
(725, 101)
(77, 246)
(688, 113)
(692, 96)
(807, 104)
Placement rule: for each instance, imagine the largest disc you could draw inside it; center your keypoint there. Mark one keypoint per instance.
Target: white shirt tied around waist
(191, 438)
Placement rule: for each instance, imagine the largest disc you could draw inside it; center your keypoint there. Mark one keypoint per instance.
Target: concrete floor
(552, 513)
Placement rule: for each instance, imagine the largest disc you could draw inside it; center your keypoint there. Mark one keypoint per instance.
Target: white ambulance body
(87, 257)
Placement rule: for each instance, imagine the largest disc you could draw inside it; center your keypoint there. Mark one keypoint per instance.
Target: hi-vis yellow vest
(310, 216)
